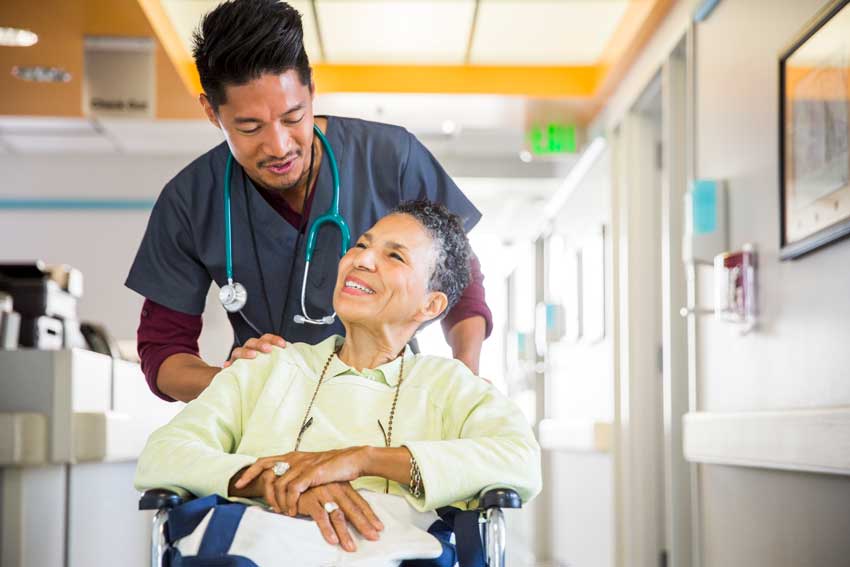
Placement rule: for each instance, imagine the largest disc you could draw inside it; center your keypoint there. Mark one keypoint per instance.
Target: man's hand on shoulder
(254, 346)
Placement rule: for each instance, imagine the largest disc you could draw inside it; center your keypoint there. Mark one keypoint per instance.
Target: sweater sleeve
(195, 452)
(486, 443)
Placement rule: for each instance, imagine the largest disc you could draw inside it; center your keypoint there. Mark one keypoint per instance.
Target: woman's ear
(433, 306)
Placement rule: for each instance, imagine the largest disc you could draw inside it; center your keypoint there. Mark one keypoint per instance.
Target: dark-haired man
(258, 90)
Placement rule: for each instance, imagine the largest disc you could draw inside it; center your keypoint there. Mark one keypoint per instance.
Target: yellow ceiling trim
(578, 81)
(173, 45)
(547, 82)
(636, 15)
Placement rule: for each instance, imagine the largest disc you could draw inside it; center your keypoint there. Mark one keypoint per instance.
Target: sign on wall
(120, 77)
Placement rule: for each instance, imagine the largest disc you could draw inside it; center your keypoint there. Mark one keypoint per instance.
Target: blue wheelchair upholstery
(473, 547)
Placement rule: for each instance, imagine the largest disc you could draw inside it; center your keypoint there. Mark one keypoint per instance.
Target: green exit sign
(552, 139)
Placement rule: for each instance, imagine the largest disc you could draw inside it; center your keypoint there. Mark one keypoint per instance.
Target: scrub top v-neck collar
(276, 260)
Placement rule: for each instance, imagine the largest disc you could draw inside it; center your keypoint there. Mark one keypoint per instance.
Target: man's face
(268, 124)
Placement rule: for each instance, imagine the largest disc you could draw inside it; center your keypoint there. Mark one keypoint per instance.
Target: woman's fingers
(354, 514)
(341, 528)
(293, 488)
(254, 471)
(266, 463)
(324, 522)
(315, 510)
(361, 503)
(269, 493)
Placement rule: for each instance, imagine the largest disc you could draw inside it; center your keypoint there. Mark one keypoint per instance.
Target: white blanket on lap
(270, 539)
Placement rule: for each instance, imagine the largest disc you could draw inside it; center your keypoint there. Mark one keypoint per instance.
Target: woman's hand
(305, 471)
(352, 507)
(253, 346)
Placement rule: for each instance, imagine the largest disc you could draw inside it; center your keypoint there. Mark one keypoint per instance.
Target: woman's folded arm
(194, 452)
(487, 443)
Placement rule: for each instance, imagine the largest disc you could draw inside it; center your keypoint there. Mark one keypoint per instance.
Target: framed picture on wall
(814, 134)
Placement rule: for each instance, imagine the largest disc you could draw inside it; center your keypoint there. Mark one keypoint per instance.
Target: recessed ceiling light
(39, 74)
(14, 37)
(449, 127)
(525, 156)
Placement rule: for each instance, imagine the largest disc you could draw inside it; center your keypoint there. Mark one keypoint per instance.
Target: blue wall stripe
(705, 9)
(76, 204)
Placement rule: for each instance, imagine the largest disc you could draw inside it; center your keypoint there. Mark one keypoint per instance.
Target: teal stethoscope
(233, 295)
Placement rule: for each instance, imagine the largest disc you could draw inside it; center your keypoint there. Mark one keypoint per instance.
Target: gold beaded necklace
(388, 435)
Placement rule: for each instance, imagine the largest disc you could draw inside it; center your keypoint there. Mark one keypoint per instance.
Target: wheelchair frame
(491, 521)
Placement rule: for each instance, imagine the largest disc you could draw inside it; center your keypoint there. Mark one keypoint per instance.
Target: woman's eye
(396, 256)
(360, 245)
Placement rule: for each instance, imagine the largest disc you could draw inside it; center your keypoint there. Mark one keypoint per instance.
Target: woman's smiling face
(383, 279)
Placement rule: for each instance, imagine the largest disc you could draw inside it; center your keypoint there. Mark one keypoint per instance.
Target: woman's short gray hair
(450, 273)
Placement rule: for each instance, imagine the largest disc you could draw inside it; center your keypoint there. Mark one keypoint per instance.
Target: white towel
(270, 539)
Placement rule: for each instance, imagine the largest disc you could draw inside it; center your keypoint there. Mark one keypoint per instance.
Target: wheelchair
(491, 521)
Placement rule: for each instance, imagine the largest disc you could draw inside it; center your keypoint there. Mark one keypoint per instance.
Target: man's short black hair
(450, 273)
(241, 40)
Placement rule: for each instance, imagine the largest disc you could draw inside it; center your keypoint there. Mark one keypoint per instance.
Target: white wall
(102, 244)
(580, 387)
(799, 356)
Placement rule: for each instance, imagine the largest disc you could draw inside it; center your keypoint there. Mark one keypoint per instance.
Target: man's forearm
(466, 338)
(184, 376)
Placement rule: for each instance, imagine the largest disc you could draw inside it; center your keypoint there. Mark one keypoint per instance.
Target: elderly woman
(307, 427)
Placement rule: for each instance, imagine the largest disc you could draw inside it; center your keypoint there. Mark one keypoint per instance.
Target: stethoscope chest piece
(233, 296)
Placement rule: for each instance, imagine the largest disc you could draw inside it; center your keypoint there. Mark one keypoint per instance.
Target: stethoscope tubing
(233, 296)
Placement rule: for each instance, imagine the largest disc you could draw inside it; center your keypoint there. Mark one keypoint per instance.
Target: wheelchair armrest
(500, 498)
(159, 498)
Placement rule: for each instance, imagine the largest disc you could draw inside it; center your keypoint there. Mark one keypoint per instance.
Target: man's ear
(209, 110)
(433, 306)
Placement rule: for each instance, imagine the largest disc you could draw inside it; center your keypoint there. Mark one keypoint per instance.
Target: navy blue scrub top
(183, 249)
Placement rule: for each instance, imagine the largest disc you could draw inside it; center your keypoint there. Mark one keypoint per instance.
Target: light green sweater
(464, 434)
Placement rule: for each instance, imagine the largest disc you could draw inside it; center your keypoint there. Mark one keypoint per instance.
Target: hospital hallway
(659, 275)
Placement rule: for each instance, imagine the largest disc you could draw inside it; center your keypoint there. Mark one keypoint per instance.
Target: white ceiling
(503, 32)
(410, 32)
(545, 32)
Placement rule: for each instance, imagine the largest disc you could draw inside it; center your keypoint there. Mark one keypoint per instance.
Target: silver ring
(331, 507)
(280, 468)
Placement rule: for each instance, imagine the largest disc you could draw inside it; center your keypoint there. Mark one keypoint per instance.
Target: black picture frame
(804, 231)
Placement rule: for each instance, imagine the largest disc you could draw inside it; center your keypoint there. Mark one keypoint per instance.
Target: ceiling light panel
(14, 37)
(186, 15)
(554, 32)
(395, 32)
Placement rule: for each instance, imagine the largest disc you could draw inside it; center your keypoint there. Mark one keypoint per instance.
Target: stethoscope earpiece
(326, 320)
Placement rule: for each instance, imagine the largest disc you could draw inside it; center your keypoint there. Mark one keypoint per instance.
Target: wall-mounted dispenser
(735, 287)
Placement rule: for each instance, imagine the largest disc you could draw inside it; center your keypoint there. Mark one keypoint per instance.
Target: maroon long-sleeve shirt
(163, 332)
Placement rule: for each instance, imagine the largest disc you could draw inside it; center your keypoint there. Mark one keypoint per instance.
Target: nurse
(258, 90)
